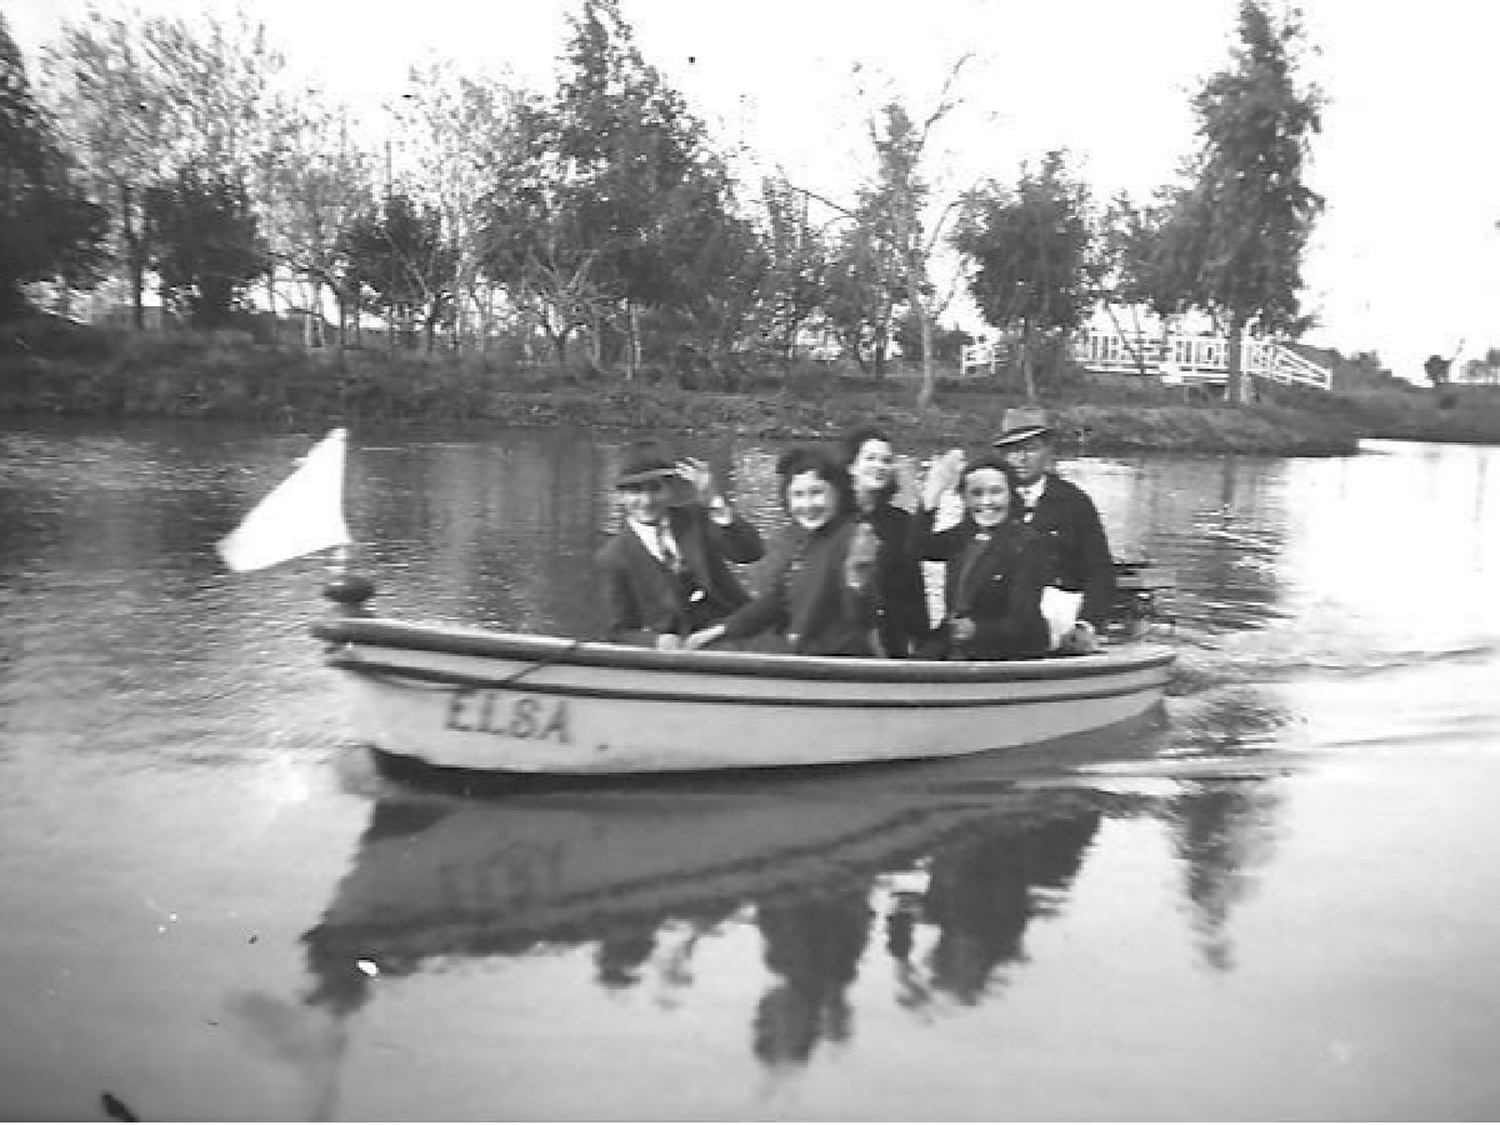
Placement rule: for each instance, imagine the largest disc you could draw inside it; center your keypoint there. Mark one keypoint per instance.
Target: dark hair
(853, 441)
(809, 459)
(993, 461)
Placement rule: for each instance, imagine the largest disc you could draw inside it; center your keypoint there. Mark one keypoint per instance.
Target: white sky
(1406, 259)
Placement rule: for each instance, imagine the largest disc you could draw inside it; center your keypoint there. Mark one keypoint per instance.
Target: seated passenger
(996, 565)
(666, 574)
(903, 595)
(820, 591)
(1066, 515)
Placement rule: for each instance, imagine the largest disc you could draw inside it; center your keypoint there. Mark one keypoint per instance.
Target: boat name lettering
(488, 711)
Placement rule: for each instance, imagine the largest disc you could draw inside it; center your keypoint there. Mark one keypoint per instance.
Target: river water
(1276, 899)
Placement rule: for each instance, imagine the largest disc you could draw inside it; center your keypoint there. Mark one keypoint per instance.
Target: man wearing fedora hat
(666, 573)
(1064, 513)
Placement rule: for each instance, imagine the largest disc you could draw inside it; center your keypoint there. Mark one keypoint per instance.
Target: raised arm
(734, 536)
(922, 541)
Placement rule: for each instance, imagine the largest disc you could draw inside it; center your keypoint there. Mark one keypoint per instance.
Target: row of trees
(48, 227)
(602, 212)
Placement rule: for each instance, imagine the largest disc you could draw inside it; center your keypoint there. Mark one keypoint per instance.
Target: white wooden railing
(1182, 359)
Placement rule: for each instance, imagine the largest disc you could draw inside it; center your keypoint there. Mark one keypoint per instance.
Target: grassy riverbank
(90, 374)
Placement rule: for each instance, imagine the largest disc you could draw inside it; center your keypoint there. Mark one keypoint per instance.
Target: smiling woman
(996, 566)
(820, 597)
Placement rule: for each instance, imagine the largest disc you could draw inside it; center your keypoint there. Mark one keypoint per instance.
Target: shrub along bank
(187, 376)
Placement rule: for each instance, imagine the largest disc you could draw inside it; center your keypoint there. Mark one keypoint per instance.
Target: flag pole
(345, 589)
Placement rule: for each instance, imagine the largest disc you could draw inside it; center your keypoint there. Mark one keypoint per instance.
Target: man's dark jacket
(1069, 520)
(643, 598)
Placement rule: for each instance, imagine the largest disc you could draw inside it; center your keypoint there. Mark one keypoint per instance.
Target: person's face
(644, 501)
(1028, 459)
(873, 466)
(810, 500)
(986, 495)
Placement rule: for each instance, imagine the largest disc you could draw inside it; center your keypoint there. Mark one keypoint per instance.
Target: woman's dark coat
(995, 579)
(807, 601)
(902, 609)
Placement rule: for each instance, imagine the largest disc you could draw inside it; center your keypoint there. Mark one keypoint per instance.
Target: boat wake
(1204, 665)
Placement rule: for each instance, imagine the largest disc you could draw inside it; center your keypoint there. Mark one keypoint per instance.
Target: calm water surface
(1276, 899)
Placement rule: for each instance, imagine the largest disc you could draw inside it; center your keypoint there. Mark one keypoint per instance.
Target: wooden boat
(475, 699)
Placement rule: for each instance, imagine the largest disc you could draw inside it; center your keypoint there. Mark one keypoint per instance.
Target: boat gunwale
(390, 633)
(378, 670)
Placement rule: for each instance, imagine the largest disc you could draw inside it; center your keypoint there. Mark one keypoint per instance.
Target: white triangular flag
(302, 514)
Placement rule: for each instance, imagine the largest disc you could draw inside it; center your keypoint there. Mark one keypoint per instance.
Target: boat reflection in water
(939, 867)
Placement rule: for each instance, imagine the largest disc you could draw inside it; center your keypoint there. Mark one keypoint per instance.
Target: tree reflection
(1223, 829)
(1224, 833)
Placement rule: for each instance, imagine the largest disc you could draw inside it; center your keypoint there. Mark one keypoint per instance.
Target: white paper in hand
(1060, 608)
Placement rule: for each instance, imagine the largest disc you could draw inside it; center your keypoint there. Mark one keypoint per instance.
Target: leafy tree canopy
(1241, 226)
(206, 245)
(640, 179)
(48, 229)
(1032, 253)
(1031, 247)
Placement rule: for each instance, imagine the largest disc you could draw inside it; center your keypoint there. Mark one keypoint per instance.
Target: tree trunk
(486, 310)
(1234, 387)
(559, 342)
(929, 366)
(633, 344)
(1028, 361)
(135, 261)
(1133, 344)
(312, 330)
(928, 392)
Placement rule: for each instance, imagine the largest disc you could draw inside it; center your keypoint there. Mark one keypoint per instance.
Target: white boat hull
(479, 700)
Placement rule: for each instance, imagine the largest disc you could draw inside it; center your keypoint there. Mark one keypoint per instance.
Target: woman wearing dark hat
(820, 593)
(996, 565)
(868, 453)
(666, 573)
(1063, 513)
